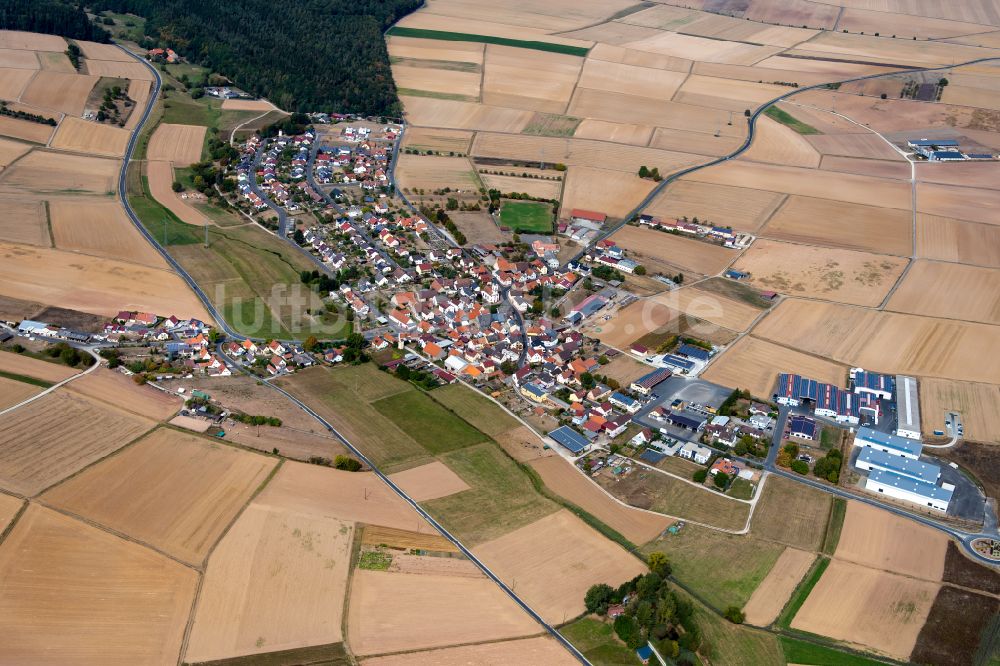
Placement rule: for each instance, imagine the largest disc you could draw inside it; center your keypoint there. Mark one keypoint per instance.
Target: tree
(597, 598)
(346, 463)
(299, 237)
(643, 171)
(943, 82)
(746, 112)
(659, 564)
(628, 631)
(311, 343)
(587, 380)
(800, 467)
(508, 367)
(640, 270)
(700, 476)
(176, 186)
(721, 479)
(734, 615)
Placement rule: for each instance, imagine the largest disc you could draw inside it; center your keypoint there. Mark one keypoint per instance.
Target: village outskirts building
(907, 407)
(895, 470)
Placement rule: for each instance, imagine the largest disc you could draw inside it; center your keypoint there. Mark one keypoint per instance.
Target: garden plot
(24, 222)
(73, 593)
(881, 540)
(59, 91)
(526, 79)
(100, 228)
(956, 240)
(57, 278)
(723, 205)
(875, 609)
(277, 581)
(755, 364)
(391, 612)
(775, 590)
(175, 491)
(885, 341)
(91, 138)
(842, 225)
(554, 560)
(952, 291)
(45, 441)
(179, 144)
(979, 405)
(846, 276)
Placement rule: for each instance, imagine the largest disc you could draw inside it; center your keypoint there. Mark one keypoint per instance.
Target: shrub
(799, 467)
(734, 615)
(700, 476)
(721, 479)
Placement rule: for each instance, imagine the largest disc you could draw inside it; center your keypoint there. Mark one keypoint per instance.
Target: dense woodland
(315, 55)
(57, 17)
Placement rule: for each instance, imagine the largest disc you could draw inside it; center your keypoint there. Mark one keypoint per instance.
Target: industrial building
(891, 444)
(908, 489)
(570, 439)
(907, 407)
(645, 384)
(895, 469)
(873, 383)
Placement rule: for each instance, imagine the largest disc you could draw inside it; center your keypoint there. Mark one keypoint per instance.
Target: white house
(695, 452)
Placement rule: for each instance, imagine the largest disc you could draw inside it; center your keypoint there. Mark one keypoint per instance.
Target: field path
(97, 364)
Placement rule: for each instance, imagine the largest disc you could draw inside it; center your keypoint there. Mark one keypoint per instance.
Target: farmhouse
(907, 407)
(580, 215)
(570, 439)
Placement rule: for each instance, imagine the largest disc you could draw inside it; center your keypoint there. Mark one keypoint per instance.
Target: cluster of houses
(281, 357)
(728, 430)
(945, 150)
(365, 162)
(687, 359)
(608, 253)
(275, 178)
(721, 235)
(583, 225)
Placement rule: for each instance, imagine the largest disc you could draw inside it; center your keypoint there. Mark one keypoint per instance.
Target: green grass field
(740, 489)
(785, 118)
(430, 424)
(501, 497)
(25, 379)
(834, 526)
(792, 514)
(486, 39)
(728, 644)
(802, 592)
(724, 569)
(475, 408)
(811, 654)
(526, 216)
(598, 643)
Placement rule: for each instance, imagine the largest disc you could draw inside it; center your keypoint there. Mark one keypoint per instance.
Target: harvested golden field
(727, 94)
(445, 81)
(433, 49)
(392, 612)
(622, 78)
(247, 105)
(758, 72)
(660, 315)
(775, 143)
(138, 91)
(55, 61)
(774, 591)
(32, 367)
(792, 513)
(562, 478)
(602, 130)
(100, 227)
(793, 12)
(536, 187)
(554, 560)
(31, 41)
(539, 650)
(842, 225)
(120, 70)
(56, 278)
(971, 96)
(13, 81)
(952, 291)
(24, 222)
(806, 182)
(636, 109)
(276, 582)
(693, 255)
(956, 240)
(25, 130)
(865, 167)
(883, 50)
(98, 51)
(374, 535)
(885, 341)
(882, 540)
(175, 491)
(967, 203)
(180, 144)
(845, 276)
(741, 208)
(614, 193)
(755, 364)
(701, 48)
(48, 172)
(11, 150)
(512, 20)
(352, 496)
(430, 172)
(13, 392)
(890, 19)
(58, 435)
(429, 481)
(71, 593)
(862, 606)
(161, 180)
(9, 506)
(978, 403)
(532, 80)
(437, 140)
(703, 142)
(966, 174)
(114, 388)
(424, 111)
(59, 91)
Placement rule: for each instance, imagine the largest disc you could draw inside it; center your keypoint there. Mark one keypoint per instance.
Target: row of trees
(302, 55)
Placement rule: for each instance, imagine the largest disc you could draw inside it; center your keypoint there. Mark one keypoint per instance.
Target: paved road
(255, 188)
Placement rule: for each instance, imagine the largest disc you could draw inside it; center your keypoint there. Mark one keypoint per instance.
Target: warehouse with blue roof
(570, 439)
